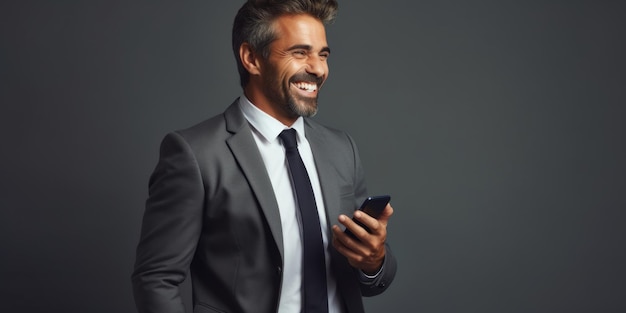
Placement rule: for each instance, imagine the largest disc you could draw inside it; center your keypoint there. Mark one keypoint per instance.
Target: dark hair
(253, 24)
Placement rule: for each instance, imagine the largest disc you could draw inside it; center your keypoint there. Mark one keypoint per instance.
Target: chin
(303, 107)
(305, 110)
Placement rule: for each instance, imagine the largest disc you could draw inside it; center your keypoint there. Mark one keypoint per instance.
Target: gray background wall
(497, 127)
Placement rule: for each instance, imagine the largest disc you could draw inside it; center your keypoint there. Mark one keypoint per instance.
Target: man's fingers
(386, 214)
(347, 245)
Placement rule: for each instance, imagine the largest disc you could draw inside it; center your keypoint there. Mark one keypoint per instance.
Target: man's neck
(276, 111)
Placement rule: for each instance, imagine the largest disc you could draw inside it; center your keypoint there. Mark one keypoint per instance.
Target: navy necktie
(315, 297)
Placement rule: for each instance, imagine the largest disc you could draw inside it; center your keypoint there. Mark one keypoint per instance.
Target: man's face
(296, 67)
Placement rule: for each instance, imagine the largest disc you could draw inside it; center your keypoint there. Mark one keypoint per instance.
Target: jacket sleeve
(384, 278)
(171, 226)
(388, 272)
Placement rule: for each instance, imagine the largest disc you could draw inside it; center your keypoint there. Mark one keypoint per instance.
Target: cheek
(325, 67)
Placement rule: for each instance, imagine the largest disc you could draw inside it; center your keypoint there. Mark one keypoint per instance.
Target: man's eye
(300, 53)
(324, 56)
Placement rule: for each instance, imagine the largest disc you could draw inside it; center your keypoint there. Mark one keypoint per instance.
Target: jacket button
(382, 285)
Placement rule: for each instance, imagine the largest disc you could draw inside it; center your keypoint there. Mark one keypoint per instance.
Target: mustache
(306, 77)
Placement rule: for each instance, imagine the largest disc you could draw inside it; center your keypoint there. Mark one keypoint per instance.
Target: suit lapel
(325, 171)
(322, 152)
(247, 154)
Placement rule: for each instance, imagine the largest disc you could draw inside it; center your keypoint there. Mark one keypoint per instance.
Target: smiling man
(286, 83)
(249, 202)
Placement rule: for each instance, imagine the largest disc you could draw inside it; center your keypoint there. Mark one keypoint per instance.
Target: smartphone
(373, 206)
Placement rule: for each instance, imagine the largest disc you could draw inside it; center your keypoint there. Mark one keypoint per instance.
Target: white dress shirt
(265, 130)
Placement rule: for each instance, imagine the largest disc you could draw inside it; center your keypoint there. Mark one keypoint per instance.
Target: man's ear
(249, 59)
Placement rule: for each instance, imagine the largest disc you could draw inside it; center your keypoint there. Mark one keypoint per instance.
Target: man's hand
(368, 252)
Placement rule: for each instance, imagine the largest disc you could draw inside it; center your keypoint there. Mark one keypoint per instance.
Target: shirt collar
(268, 127)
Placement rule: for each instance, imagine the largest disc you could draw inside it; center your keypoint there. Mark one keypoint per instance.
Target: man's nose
(316, 66)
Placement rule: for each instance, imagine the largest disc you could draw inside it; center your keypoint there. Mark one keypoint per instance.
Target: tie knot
(289, 139)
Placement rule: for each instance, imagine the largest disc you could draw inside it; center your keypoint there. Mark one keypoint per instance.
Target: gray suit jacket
(211, 210)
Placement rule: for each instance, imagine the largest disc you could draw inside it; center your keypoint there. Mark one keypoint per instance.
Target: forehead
(300, 29)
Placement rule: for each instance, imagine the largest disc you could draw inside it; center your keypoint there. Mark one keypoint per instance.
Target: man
(227, 203)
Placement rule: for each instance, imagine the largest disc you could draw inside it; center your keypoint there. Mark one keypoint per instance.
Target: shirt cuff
(370, 279)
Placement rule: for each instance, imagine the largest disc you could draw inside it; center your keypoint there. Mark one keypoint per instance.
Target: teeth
(306, 86)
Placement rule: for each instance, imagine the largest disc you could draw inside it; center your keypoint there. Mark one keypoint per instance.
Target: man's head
(281, 51)
(253, 23)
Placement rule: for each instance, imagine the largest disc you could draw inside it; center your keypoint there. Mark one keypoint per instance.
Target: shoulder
(328, 135)
(214, 130)
(211, 128)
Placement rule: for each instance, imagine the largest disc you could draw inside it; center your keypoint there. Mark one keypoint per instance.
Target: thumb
(386, 214)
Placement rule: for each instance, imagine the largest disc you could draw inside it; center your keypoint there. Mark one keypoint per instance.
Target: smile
(309, 87)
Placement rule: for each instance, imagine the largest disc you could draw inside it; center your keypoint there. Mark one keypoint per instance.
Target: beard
(301, 106)
(293, 104)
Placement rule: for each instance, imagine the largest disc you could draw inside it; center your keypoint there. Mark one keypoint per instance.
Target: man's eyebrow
(307, 48)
